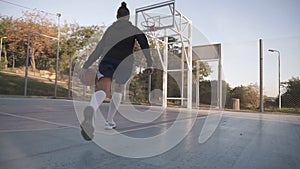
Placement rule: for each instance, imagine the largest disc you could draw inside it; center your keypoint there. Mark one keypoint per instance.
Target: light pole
(57, 54)
(27, 56)
(1, 46)
(279, 96)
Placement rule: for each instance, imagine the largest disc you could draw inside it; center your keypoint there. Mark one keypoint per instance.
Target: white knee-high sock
(113, 106)
(97, 99)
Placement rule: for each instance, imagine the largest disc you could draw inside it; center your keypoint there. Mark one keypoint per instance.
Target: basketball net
(149, 27)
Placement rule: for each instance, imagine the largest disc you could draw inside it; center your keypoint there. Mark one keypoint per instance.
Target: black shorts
(118, 72)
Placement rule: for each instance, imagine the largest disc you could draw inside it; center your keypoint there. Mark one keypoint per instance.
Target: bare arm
(143, 42)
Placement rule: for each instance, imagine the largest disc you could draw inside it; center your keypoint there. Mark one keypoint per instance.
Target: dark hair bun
(123, 4)
(123, 10)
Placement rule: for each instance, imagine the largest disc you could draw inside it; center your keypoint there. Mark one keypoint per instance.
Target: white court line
(32, 98)
(225, 114)
(156, 125)
(249, 116)
(28, 130)
(39, 120)
(77, 127)
(294, 119)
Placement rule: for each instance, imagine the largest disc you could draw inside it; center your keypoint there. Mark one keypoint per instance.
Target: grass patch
(14, 85)
(284, 110)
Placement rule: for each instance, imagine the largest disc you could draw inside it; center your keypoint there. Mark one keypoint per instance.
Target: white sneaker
(87, 129)
(110, 125)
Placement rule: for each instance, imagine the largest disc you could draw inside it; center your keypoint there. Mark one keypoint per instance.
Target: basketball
(88, 77)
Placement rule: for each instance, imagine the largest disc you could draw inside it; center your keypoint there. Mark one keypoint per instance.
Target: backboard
(207, 52)
(155, 17)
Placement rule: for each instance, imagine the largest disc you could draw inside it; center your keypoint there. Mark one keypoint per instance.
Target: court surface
(44, 134)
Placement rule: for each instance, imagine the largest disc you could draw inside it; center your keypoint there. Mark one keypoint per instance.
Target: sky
(236, 24)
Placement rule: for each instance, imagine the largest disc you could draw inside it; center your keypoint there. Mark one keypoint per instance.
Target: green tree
(76, 38)
(11, 48)
(208, 93)
(139, 88)
(17, 35)
(40, 23)
(253, 96)
(248, 95)
(291, 98)
(240, 93)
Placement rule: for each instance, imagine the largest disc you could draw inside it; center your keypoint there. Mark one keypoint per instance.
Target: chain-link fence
(280, 69)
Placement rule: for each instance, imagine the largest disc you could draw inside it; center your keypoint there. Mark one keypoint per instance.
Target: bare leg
(102, 89)
(104, 84)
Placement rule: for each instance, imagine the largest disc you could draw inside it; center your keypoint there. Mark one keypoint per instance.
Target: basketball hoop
(149, 25)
